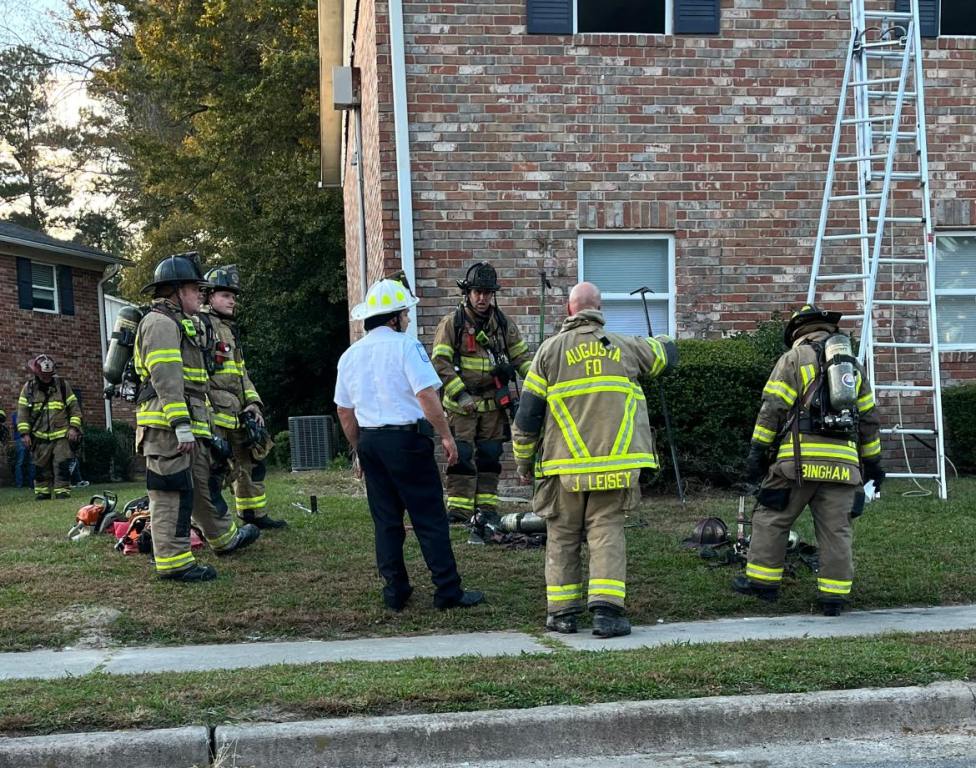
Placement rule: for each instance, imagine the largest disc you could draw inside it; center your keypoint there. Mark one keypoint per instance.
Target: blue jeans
(23, 467)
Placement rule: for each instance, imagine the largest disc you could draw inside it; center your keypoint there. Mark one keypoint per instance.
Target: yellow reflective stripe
(523, 450)
(225, 420)
(872, 448)
(461, 502)
(518, 348)
(763, 435)
(175, 408)
(610, 587)
(201, 428)
(177, 562)
(625, 434)
(55, 435)
(158, 356)
(250, 394)
(807, 374)
(152, 419)
(486, 498)
(572, 387)
(761, 573)
(865, 402)
(443, 350)
(842, 452)
(479, 364)
(224, 540)
(599, 463)
(55, 405)
(229, 369)
(23, 428)
(486, 406)
(453, 387)
(523, 369)
(563, 592)
(71, 399)
(194, 374)
(535, 384)
(834, 586)
(255, 502)
(75, 421)
(23, 401)
(660, 356)
(568, 428)
(782, 390)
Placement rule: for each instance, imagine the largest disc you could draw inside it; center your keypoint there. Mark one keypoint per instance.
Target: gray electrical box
(345, 87)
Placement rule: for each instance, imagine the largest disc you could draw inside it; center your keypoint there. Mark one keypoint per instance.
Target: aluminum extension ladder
(881, 152)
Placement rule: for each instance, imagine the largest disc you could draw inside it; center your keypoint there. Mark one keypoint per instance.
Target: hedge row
(959, 417)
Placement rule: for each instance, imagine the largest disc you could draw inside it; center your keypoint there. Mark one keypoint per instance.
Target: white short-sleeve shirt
(380, 375)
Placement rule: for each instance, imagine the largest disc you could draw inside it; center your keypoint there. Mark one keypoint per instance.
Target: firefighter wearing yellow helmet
(236, 405)
(477, 352)
(49, 423)
(582, 427)
(816, 440)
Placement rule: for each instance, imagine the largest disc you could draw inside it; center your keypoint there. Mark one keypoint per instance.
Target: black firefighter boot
(609, 621)
(264, 522)
(746, 586)
(832, 606)
(193, 574)
(563, 622)
(245, 536)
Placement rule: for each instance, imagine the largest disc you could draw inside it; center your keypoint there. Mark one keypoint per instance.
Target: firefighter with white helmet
(49, 423)
(815, 442)
(386, 397)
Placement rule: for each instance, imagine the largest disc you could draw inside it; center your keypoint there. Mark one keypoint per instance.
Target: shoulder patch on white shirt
(422, 352)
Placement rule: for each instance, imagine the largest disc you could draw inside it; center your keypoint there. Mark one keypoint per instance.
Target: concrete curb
(172, 747)
(600, 729)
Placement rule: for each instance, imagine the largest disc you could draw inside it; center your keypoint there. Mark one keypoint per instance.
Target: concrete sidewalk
(194, 658)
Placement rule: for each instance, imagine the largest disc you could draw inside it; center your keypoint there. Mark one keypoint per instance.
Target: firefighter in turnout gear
(477, 353)
(816, 441)
(582, 429)
(173, 425)
(235, 403)
(49, 423)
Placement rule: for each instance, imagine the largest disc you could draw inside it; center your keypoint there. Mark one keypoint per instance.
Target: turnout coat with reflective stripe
(231, 389)
(582, 413)
(169, 353)
(830, 459)
(475, 374)
(51, 419)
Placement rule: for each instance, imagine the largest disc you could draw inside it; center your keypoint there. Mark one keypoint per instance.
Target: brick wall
(73, 341)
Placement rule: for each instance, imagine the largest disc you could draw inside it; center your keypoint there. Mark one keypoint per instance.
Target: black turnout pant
(401, 474)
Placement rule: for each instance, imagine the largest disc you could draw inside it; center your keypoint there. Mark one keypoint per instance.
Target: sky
(22, 20)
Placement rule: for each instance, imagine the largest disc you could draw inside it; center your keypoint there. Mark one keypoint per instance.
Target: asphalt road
(948, 750)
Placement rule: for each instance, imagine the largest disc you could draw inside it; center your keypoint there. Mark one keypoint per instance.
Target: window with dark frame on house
(955, 289)
(44, 287)
(957, 17)
(621, 16)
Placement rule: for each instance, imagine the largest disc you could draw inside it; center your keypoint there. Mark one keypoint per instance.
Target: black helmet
(224, 278)
(176, 269)
(709, 532)
(808, 313)
(481, 276)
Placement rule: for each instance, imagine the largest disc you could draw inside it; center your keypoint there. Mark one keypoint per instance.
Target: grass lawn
(281, 693)
(317, 579)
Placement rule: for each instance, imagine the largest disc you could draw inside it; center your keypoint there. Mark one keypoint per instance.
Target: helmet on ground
(176, 269)
(709, 532)
(805, 315)
(225, 278)
(384, 297)
(41, 364)
(481, 276)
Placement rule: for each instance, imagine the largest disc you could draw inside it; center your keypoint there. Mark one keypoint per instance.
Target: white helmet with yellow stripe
(384, 297)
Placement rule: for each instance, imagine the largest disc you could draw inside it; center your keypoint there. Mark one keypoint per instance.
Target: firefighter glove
(757, 464)
(874, 471)
(466, 403)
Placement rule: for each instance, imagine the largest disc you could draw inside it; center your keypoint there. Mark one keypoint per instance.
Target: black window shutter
(66, 291)
(25, 283)
(696, 17)
(928, 15)
(549, 17)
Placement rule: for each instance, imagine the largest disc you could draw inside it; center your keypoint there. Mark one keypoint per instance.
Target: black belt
(391, 428)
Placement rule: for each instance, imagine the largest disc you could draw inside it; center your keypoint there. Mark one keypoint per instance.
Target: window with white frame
(955, 289)
(619, 264)
(623, 16)
(44, 287)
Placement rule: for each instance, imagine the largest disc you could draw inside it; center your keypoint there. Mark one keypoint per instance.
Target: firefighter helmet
(481, 276)
(808, 313)
(225, 278)
(176, 269)
(383, 298)
(709, 532)
(41, 365)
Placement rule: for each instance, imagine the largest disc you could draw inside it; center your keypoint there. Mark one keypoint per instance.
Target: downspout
(110, 271)
(402, 144)
(363, 261)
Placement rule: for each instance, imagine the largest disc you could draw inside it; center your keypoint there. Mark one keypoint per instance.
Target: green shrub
(125, 449)
(959, 415)
(97, 452)
(713, 396)
(280, 455)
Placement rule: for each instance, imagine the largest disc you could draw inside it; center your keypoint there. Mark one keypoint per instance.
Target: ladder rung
(842, 278)
(859, 158)
(924, 475)
(902, 302)
(881, 44)
(904, 387)
(877, 81)
(890, 15)
(903, 344)
(899, 176)
(901, 134)
(887, 55)
(871, 119)
(904, 431)
(890, 94)
(849, 236)
(868, 196)
(890, 260)
(900, 219)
